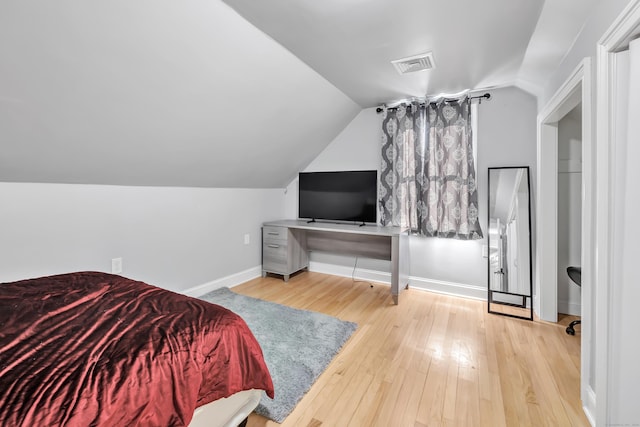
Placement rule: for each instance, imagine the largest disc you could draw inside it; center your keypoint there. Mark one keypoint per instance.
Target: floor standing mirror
(510, 284)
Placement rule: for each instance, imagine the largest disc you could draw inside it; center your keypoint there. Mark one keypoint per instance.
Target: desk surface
(372, 230)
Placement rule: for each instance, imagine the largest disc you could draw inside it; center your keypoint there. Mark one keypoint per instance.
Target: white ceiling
(189, 93)
(475, 44)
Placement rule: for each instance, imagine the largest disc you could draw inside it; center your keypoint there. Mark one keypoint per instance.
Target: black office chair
(575, 274)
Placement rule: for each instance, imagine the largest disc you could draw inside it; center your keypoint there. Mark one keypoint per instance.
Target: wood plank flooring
(432, 360)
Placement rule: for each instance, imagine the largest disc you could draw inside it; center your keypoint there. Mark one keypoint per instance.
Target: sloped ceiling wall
(475, 44)
(155, 93)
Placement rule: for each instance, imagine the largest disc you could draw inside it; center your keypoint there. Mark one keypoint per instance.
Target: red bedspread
(94, 349)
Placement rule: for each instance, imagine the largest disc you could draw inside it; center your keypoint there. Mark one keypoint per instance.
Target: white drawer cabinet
(284, 251)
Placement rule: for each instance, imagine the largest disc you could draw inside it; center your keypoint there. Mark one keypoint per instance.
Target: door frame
(615, 39)
(576, 90)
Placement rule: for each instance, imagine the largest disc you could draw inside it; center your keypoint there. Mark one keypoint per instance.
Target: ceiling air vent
(420, 62)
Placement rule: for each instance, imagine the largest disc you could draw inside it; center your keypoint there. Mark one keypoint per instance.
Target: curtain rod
(486, 96)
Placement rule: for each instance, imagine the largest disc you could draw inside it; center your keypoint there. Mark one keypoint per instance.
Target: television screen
(338, 196)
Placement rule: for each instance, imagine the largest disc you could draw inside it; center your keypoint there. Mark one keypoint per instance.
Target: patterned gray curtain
(451, 193)
(403, 146)
(428, 180)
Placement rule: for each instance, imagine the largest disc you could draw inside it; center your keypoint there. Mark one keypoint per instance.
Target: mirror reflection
(509, 237)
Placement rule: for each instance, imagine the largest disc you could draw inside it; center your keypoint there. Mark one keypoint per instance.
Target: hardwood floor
(432, 360)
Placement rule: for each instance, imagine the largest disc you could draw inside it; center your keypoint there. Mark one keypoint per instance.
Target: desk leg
(399, 265)
(395, 268)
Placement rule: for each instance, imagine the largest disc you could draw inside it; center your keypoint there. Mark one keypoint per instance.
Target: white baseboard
(439, 286)
(449, 288)
(566, 307)
(346, 271)
(589, 406)
(228, 281)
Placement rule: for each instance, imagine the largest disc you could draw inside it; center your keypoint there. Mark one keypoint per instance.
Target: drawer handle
(274, 246)
(273, 234)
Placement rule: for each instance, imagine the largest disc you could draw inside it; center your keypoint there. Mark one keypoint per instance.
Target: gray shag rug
(298, 345)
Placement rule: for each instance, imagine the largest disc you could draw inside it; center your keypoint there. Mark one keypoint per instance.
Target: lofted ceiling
(351, 43)
(240, 93)
(475, 44)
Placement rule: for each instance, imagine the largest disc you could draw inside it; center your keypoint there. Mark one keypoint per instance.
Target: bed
(95, 349)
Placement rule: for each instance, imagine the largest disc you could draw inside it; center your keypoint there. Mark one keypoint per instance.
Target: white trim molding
(616, 38)
(421, 283)
(227, 281)
(576, 90)
(382, 277)
(567, 97)
(572, 308)
(347, 271)
(589, 405)
(449, 288)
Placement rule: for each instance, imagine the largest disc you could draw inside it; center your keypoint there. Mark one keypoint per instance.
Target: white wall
(602, 16)
(506, 137)
(355, 148)
(175, 238)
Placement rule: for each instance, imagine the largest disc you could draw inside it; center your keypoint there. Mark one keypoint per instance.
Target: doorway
(569, 234)
(573, 95)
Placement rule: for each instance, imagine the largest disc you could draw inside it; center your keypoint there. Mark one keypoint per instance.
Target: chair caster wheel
(572, 325)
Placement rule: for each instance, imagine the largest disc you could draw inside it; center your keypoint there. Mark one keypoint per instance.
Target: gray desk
(286, 243)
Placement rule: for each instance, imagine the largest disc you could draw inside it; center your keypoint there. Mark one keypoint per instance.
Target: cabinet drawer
(274, 233)
(272, 266)
(272, 251)
(274, 258)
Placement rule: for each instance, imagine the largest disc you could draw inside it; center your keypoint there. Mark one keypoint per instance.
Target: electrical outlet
(116, 265)
(247, 239)
(485, 251)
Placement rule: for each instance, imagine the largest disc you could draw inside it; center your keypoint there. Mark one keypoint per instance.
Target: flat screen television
(338, 196)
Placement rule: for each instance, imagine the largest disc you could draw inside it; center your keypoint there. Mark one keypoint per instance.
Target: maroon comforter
(89, 349)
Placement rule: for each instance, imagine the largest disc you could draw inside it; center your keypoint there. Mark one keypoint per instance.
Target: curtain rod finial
(486, 96)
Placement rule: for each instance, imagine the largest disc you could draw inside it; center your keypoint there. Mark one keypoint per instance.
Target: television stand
(286, 243)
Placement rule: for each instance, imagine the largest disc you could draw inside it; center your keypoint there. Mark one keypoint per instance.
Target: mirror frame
(490, 292)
